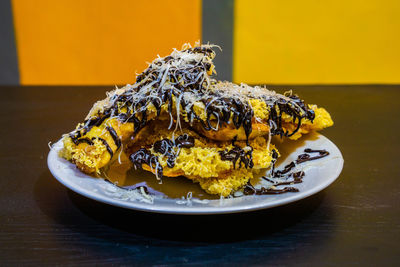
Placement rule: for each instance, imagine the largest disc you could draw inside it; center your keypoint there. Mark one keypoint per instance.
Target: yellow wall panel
(311, 41)
(98, 41)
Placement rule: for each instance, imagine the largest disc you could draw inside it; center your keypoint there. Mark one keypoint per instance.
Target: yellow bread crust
(90, 158)
(203, 164)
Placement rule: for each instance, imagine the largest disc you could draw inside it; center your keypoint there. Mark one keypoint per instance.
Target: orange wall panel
(98, 41)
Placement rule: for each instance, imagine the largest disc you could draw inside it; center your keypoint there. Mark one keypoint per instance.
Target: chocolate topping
(143, 156)
(238, 153)
(250, 190)
(90, 143)
(165, 147)
(109, 150)
(114, 136)
(184, 140)
(297, 177)
(307, 157)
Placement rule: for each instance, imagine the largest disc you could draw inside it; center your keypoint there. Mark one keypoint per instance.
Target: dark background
(9, 74)
(355, 221)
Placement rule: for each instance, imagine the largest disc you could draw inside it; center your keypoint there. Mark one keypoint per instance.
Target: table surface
(355, 221)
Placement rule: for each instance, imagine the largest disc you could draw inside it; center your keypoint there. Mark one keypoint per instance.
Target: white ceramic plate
(319, 174)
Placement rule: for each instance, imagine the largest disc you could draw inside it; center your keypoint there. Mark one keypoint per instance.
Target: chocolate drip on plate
(297, 177)
(250, 190)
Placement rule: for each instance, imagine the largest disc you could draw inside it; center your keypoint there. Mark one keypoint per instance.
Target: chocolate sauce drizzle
(143, 156)
(297, 177)
(307, 157)
(250, 190)
(238, 153)
(114, 136)
(109, 150)
(293, 108)
(90, 143)
(165, 147)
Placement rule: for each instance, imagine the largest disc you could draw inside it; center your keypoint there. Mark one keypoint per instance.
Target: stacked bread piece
(177, 120)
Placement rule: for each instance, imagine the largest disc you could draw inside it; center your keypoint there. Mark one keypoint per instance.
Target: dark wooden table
(355, 221)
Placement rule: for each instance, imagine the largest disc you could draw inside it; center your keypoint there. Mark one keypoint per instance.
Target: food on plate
(178, 120)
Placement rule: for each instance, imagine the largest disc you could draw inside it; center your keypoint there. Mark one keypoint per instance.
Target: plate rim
(185, 209)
